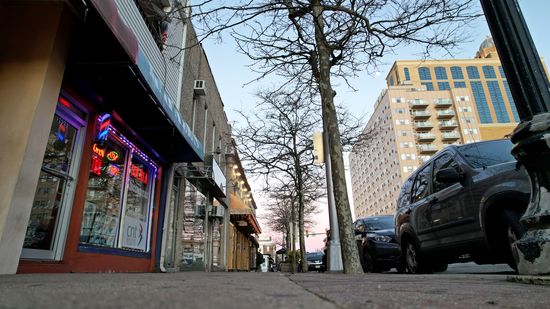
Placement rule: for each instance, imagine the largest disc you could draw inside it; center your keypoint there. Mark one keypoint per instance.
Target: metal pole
(530, 89)
(334, 251)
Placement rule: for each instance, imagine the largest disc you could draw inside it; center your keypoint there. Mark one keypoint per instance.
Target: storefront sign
(139, 174)
(96, 165)
(113, 170)
(134, 233)
(98, 150)
(112, 156)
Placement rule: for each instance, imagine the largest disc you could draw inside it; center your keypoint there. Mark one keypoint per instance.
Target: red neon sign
(139, 174)
(112, 156)
(99, 151)
(96, 165)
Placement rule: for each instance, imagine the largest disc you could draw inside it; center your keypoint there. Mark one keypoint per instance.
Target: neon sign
(139, 174)
(96, 165)
(98, 150)
(112, 156)
(104, 123)
(113, 170)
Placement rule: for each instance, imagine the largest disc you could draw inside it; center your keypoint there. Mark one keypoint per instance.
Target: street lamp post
(530, 89)
(334, 250)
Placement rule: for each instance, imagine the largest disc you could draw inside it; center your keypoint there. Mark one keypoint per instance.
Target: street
(267, 290)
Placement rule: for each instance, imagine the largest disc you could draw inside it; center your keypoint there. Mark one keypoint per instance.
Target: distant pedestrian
(259, 260)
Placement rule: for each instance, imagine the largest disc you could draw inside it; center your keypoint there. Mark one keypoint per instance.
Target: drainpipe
(166, 184)
(530, 89)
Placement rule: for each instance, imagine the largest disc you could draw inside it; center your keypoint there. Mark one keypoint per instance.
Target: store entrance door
(49, 220)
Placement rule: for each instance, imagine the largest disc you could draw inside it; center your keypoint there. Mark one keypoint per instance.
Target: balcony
(448, 124)
(425, 137)
(418, 104)
(445, 113)
(420, 114)
(423, 125)
(447, 136)
(443, 102)
(427, 148)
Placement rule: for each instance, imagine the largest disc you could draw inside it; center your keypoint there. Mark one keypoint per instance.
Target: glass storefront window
(100, 222)
(118, 200)
(193, 228)
(52, 183)
(137, 206)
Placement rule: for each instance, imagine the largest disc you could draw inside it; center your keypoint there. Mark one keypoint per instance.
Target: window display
(118, 200)
(104, 196)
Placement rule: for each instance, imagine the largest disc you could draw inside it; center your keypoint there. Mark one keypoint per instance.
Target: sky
(231, 74)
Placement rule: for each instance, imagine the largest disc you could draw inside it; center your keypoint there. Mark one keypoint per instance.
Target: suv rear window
(487, 153)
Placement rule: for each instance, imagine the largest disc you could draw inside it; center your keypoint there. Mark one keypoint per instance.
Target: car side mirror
(448, 175)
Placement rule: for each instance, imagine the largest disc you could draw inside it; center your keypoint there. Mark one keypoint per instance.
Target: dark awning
(104, 66)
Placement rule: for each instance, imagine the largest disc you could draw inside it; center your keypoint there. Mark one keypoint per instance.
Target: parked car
(377, 244)
(463, 204)
(315, 261)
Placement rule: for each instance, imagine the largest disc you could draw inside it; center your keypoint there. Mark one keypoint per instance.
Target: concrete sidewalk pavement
(267, 290)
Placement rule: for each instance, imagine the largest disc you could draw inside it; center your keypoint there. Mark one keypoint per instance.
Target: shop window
(118, 200)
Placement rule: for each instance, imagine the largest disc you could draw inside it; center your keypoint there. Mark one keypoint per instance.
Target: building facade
(114, 155)
(428, 104)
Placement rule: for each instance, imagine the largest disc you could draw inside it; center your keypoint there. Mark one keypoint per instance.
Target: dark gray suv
(463, 204)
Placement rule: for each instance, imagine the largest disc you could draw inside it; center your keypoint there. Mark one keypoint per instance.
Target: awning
(108, 66)
(240, 214)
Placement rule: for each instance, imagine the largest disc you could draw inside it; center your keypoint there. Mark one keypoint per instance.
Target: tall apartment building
(428, 104)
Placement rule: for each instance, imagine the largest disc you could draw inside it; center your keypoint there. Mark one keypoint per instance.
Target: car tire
(513, 231)
(439, 267)
(412, 258)
(368, 262)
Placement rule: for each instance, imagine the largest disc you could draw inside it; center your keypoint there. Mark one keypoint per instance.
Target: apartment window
(481, 103)
(501, 71)
(391, 81)
(401, 121)
(429, 86)
(440, 73)
(424, 73)
(489, 71)
(511, 100)
(400, 111)
(456, 73)
(463, 98)
(498, 102)
(407, 74)
(460, 84)
(472, 72)
(443, 86)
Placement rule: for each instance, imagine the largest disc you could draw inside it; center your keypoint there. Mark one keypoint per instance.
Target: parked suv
(377, 244)
(463, 204)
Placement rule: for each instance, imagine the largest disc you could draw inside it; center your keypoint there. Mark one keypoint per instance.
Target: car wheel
(413, 259)
(440, 267)
(513, 231)
(368, 263)
(401, 269)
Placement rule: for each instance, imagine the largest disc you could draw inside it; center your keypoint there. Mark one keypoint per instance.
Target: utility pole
(530, 89)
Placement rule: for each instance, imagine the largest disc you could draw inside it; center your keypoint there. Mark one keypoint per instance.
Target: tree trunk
(293, 237)
(299, 189)
(350, 254)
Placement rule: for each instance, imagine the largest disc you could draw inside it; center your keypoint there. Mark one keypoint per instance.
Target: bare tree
(316, 42)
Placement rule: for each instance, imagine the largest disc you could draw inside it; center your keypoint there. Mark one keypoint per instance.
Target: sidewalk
(267, 290)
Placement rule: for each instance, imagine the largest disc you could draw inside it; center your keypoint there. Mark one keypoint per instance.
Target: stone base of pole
(532, 150)
(334, 257)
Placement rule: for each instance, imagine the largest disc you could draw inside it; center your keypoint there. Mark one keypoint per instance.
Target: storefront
(103, 183)
(242, 242)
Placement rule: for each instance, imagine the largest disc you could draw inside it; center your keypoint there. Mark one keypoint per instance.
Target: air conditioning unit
(218, 211)
(199, 87)
(200, 211)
